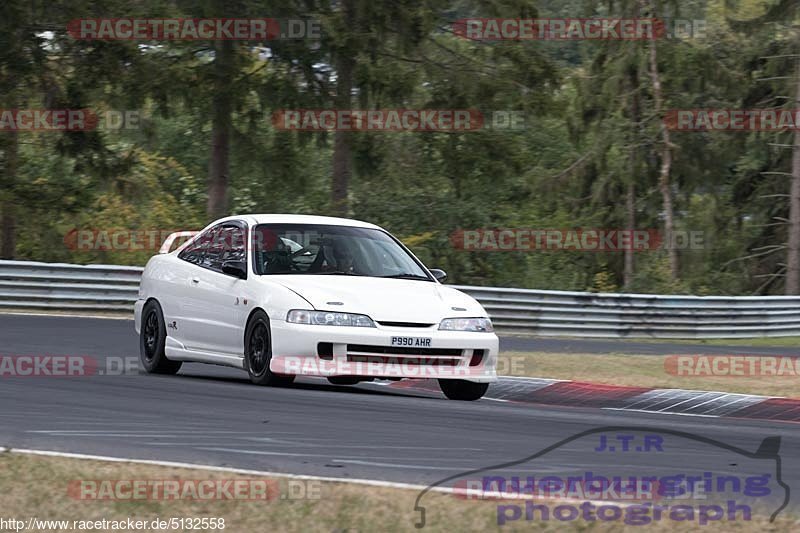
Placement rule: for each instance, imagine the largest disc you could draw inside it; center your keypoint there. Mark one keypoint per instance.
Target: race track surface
(212, 415)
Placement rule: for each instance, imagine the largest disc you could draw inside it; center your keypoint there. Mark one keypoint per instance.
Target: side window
(235, 248)
(215, 246)
(195, 252)
(213, 257)
(226, 244)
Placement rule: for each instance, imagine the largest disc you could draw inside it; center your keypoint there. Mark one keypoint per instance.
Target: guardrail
(93, 288)
(583, 314)
(58, 286)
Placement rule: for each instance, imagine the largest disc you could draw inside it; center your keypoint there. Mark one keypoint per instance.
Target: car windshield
(332, 250)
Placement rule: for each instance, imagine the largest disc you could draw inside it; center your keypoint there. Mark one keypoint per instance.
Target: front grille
(404, 360)
(396, 350)
(406, 324)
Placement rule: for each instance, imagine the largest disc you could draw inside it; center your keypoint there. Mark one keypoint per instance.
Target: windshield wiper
(406, 276)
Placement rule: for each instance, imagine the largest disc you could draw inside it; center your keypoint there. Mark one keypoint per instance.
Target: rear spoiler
(171, 239)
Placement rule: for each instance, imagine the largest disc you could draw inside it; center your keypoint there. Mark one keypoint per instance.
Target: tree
(359, 34)
(21, 58)
(793, 246)
(768, 22)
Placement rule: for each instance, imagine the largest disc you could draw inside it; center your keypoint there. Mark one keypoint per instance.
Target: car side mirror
(439, 274)
(235, 268)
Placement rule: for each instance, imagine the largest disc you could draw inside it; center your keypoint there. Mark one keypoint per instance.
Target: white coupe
(287, 295)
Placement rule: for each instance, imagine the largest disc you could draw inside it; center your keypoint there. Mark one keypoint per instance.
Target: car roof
(297, 219)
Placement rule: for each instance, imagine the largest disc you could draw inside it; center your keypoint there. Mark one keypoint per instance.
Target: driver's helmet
(342, 257)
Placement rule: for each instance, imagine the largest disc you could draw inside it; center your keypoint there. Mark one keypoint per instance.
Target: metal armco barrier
(51, 286)
(586, 314)
(58, 286)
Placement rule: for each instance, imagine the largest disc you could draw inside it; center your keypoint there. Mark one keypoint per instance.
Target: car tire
(459, 389)
(258, 352)
(152, 338)
(344, 380)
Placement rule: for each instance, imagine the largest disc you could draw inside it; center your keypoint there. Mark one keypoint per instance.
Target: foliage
(591, 134)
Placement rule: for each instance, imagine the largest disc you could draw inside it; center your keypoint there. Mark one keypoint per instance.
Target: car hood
(384, 300)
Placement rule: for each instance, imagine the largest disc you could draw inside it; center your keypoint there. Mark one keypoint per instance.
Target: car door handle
(195, 280)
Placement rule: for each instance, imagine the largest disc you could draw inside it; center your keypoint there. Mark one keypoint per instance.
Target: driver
(279, 259)
(343, 258)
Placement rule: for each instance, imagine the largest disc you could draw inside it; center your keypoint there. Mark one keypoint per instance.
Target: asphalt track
(212, 415)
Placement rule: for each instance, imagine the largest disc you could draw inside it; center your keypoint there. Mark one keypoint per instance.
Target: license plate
(412, 342)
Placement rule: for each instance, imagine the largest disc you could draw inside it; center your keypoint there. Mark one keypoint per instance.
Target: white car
(287, 295)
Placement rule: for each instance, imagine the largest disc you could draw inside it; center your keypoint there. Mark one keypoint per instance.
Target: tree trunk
(664, 185)
(342, 152)
(630, 209)
(9, 209)
(219, 164)
(629, 265)
(793, 246)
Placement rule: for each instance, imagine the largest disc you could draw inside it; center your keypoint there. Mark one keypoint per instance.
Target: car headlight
(329, 318)
(483, 325)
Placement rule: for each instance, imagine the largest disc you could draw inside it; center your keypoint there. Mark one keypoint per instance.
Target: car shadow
(370, 389)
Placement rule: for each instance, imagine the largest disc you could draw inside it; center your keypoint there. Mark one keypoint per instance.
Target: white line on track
(171, 464)
(209, 468)
(103, 433)
(324, 446)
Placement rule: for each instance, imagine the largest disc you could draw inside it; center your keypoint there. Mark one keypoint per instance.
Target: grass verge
(636, 371)
(36, 486)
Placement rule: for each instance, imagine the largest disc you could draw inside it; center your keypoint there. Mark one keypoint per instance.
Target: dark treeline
(594, 151)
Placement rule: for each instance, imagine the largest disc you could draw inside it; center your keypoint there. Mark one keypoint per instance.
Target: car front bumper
(301, 349)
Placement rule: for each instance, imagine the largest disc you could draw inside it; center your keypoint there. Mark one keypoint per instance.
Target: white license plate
(412, 342)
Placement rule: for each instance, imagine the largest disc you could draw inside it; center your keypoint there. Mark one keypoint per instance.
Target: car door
(179, 300)
(217, 299)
